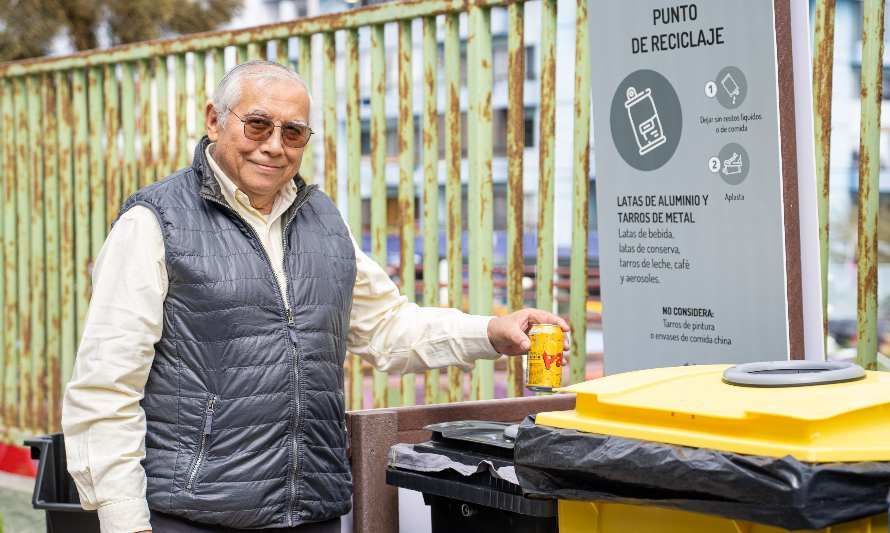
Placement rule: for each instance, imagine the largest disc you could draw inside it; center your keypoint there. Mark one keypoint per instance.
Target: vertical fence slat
(95, 98)
(67, 265)
(200, 92)
(480, 193)
(10, 258)
(307, 166)
(128, 119)
(869, 173)
(578, 266)
(23, 206)
(515, 195)
(81, 197)
(36, 400)
(254, 51)
(353, 184)
(430, 136)
(378, 171)
(282, 52)
(146, 156)
(165, 165)
(546, 160)
(453, 186)
(53, 384)
(113, 174)
(241, 53)
(5, 177)
(219, 65)
(182, 135)
(330, 115)
(823, 66)
(406, 182)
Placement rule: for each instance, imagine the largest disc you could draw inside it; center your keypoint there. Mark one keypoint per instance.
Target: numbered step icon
(714, 164)
(710, 89)
(730, 87)
(733, 163)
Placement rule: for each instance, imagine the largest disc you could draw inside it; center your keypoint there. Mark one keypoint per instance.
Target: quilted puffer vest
(244, 401)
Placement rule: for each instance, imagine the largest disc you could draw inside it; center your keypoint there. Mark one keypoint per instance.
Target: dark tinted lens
(258, 128)
(295, 135)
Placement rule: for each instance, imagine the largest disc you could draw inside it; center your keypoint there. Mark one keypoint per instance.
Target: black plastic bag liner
(781, 492)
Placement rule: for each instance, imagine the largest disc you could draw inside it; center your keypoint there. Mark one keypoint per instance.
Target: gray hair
(228, 92)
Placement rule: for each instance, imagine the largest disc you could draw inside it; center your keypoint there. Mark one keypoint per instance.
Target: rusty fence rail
(82, 132)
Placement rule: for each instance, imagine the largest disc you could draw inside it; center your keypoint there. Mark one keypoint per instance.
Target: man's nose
(273, 145)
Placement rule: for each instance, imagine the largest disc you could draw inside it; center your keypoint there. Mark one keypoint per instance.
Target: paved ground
(15, 506)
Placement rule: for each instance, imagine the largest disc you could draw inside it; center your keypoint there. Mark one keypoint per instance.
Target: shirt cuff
(125, 516)
(476, 343)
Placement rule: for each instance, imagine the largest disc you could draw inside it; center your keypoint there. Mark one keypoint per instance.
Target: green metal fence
(80, 133)
(869, 161)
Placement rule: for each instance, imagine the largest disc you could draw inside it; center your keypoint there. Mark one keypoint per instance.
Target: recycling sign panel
(689, 183)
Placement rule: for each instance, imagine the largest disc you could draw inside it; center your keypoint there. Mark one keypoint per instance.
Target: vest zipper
(298, 419)
(202, 447)
(288, 316)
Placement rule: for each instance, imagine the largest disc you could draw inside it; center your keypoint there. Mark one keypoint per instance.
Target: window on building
(529, 125)
(531, 65)
(500, 59)
(366, 137)
(499, 126)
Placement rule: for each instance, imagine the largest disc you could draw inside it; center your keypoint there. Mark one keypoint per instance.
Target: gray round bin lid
(792, 373)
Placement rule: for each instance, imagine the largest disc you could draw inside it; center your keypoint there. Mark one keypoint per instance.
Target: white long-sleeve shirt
(103, 422)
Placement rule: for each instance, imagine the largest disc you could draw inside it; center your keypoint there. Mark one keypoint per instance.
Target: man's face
(259, 168)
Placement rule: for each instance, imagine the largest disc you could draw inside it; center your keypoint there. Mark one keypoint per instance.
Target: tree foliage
(28, 27)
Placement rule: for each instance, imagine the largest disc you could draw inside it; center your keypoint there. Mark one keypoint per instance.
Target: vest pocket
(207, 425)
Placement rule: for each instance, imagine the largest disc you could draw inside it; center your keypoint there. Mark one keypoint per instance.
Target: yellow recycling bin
(802, 429)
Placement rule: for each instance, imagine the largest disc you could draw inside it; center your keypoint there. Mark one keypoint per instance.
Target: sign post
(697, 185)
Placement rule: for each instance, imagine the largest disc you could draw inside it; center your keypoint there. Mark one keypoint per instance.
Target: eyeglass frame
(274, 125)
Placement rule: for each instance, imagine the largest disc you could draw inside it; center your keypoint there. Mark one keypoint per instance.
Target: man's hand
(509, 333)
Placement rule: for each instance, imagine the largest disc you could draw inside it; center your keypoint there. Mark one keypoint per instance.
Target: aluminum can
(545, 360)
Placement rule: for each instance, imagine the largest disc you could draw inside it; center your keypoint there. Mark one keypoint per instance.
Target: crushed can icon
(644, 120)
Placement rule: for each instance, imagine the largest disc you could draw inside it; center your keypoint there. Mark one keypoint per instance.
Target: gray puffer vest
(244, 400)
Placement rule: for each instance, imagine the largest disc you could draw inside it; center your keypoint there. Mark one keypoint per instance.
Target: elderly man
(207, 393)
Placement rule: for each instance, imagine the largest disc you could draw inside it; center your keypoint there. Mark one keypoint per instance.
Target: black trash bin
(465, 474)
(54, 490)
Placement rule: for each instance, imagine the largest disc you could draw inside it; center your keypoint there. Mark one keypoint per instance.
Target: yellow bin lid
(693, 406)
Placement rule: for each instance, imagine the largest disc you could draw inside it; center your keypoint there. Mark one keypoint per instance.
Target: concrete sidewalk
(15, 505)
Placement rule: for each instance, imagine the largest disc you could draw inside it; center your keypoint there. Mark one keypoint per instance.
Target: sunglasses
(258, 128)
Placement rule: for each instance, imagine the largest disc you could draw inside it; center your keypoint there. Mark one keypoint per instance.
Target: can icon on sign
(644, 120)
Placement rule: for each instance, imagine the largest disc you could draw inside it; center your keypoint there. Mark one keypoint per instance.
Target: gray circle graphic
(734, 163)
(732, 87)
(646, 120)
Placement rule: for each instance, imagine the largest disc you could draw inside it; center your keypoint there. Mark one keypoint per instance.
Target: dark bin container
(54, 490)
(457, 473)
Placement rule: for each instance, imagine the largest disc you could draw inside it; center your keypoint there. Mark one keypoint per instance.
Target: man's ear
(211, 121)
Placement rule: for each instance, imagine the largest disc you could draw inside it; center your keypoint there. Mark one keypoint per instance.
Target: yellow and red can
(545, 362)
